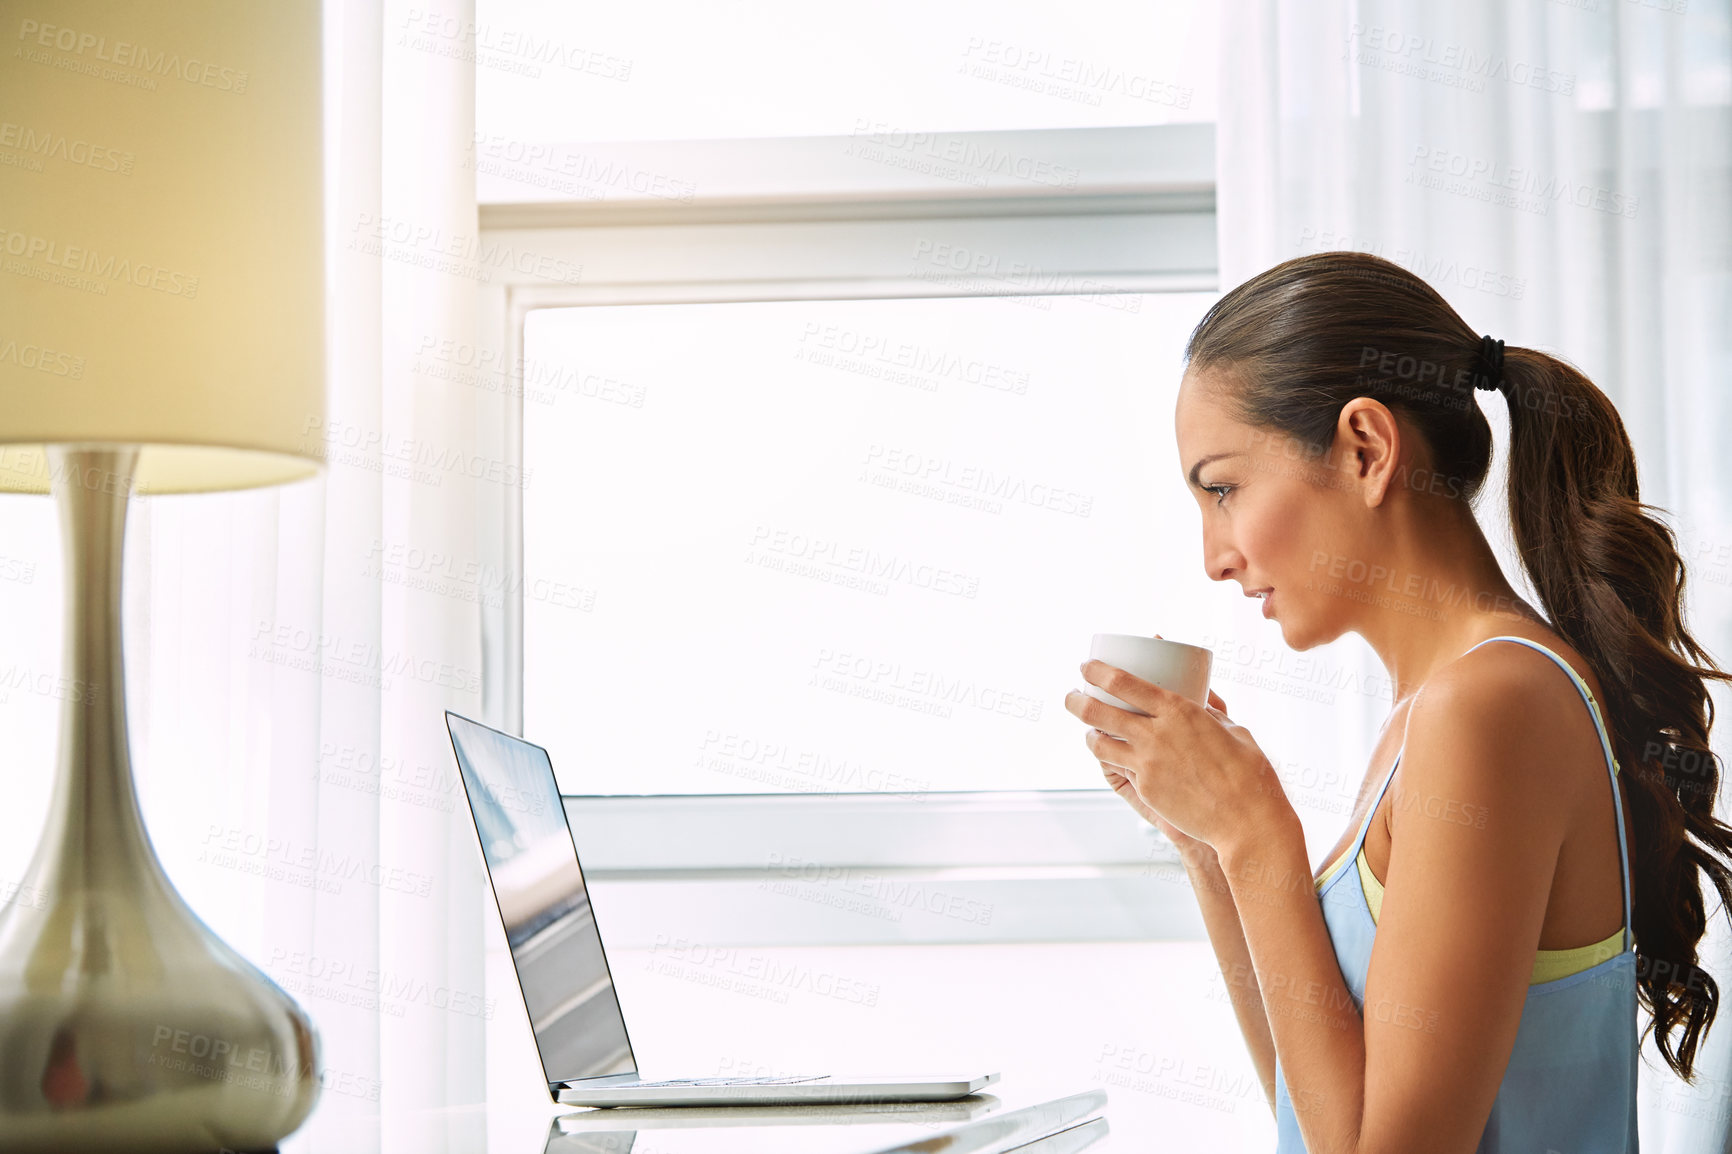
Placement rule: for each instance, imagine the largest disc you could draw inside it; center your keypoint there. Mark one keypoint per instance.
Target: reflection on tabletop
(1069, 1141)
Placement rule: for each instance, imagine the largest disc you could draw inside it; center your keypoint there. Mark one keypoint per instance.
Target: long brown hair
(1298, 341)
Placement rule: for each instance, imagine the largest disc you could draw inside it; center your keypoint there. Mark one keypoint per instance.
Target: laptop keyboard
(733, 1081)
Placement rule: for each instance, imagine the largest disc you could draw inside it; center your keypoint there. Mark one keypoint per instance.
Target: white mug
(1173, 665)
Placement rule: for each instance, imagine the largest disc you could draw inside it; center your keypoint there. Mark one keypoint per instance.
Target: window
(848, 546)
(809, 395)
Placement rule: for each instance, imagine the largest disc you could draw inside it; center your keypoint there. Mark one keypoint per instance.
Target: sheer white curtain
(290, 651)
(1561, 170)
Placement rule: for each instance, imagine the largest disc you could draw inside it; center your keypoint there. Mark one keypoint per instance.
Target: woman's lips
(1268, 603)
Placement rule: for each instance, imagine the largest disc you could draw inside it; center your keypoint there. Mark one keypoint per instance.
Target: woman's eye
(1218, 489)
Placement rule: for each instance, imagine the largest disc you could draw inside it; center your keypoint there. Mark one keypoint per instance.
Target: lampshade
(161, 239)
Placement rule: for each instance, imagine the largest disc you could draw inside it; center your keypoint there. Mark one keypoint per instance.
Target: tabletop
(1026, 1116)
(1147, 1024)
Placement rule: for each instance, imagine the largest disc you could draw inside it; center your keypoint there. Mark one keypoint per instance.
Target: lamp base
(125, 1023)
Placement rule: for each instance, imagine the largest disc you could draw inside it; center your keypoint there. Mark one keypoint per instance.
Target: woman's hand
(1122, 785)
(1191, 851)
(1188, 769)
(1126, 789)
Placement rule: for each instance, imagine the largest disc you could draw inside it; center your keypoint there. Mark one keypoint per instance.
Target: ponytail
(1611, 580)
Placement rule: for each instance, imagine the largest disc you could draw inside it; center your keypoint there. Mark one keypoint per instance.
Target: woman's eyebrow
(1195, 469)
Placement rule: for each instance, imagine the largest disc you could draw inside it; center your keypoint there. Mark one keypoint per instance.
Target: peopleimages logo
(38, 358)
(1509, 185)
(557, 166)
(756, 975)
(1435, 268)
(459, 254)
(46, 144)
(496, 46)
(1067, 77)
(809, 554)
(160, 63)
(953, 156)
(745, 755)
(930, 471)
(347, 443)
(348, 982)
(235, 848)
(923, 690)
(86, 262)
(889, 895)
(1457, 65)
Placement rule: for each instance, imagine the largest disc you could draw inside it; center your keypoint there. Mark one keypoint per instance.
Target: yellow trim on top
(1549, 965)
(1334, 868)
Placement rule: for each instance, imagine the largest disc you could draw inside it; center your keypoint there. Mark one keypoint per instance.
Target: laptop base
(770, 1091)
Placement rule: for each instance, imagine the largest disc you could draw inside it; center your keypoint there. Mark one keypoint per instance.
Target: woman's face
(1275, 516)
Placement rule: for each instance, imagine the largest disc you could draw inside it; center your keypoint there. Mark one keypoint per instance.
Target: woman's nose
(1220, 560)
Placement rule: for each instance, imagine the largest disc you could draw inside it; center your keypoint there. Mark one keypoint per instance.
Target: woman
(1523, 860)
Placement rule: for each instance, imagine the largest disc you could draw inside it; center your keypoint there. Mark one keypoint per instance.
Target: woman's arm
(1226, 934)
(1227, 937)
(1221, 920)
(1463, 905)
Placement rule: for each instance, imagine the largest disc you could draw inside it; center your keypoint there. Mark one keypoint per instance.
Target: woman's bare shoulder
(1488, 728)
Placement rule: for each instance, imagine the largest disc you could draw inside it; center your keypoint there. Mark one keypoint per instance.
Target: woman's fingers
(1121, 784)
(1214, 698)
(1127, 687)
(1105, 718)
(1110, 751)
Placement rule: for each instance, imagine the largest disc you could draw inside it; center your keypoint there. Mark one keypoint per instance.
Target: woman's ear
(1368, 440)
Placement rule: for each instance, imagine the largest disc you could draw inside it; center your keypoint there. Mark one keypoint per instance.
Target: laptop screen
(532, 861)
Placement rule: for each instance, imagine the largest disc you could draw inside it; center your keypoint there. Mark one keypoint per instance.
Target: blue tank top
(1570, 1086)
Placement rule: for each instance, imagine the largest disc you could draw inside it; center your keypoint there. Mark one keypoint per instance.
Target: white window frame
(1135, 214)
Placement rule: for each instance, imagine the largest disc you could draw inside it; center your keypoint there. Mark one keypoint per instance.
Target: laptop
(532, 865)
(1062, 1125)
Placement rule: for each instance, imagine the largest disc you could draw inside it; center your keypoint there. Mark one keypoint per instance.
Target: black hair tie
(1491, 355)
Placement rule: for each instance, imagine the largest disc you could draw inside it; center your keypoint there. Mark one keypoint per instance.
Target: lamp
(162, 290)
